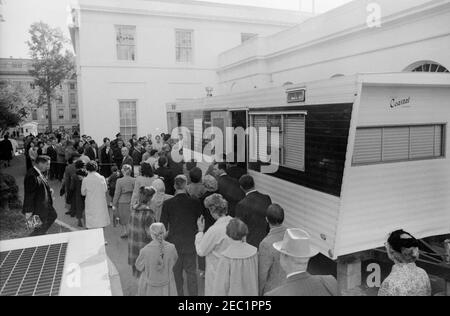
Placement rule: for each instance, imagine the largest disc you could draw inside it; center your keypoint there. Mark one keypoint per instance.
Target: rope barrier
(98, 164)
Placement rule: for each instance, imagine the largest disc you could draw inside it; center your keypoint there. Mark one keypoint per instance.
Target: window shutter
(422, 142)
(367, 146)
(260, 121)
(188, 118)
(395, 143)
(438, 132)
(294, 155)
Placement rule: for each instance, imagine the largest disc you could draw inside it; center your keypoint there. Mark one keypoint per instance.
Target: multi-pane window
(247, 36)
(184, 46)
(290, 138)
(73, 113)
(72, 86)
(61, 114)
(399, 143)
(128, 122)
(126, 42)
(72, 98)
(430, 67)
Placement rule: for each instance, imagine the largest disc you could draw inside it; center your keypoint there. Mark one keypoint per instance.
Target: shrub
(9, 192)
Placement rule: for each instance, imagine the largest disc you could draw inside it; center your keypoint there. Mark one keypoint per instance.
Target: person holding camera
(38, 201)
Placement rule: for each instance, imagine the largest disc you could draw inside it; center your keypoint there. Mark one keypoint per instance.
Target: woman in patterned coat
(141, 215)
(406, 279)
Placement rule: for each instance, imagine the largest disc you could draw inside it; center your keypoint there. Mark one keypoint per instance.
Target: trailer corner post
(447, 250)
(349, 275)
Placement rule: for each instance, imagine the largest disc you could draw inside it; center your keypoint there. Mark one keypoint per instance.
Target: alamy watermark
(263, 145)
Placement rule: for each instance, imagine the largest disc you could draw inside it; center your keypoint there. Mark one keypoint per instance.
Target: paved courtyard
(117, 248)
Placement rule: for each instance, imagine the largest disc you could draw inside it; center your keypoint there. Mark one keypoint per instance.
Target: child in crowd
(156, 262)
(112, 181)
(142, 216)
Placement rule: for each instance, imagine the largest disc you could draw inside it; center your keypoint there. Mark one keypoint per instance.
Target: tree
(49, 65)
(16, 101)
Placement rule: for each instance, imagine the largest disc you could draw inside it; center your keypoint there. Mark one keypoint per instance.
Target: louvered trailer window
(368, 146)
(291, 144)
(294, 141)
(422, 142)
(188, 119)
(172, 121)
(395, 143)
(259, 144)
(401, 143)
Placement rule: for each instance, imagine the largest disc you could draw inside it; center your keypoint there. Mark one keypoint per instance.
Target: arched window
(426, 66)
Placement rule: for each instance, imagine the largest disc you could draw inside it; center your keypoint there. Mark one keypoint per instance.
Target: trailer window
(291, 139)
(399, 143)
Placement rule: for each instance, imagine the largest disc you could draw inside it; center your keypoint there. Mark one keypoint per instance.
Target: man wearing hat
(295, 253)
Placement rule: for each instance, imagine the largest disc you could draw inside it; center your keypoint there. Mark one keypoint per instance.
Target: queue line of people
(173, 216)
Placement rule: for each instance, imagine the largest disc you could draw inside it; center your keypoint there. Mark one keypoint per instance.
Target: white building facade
(360, 37)
(135, 56)
(64, 105)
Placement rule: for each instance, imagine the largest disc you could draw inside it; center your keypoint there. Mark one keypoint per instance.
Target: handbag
(34, 222)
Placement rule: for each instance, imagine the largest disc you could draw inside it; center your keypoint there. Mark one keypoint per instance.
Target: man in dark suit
(137, 154)
(229, 188)
(90, 151)
(166, 174)
(295, 253)
(252, 210)
(51, 152)
(127, 159)
(38, 200)
(180, 215)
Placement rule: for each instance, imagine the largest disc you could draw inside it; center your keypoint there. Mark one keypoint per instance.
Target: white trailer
(362, 155)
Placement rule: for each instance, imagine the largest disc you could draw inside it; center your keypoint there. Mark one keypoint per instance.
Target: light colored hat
(296, 243)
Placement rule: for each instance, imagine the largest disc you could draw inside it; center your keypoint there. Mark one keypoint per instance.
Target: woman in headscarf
(159, 198)
(406, 279)
(156, 262)
(141, 214)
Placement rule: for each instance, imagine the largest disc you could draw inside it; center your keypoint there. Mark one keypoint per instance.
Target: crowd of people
(178, 219)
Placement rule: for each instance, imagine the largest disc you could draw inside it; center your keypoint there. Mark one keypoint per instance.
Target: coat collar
(223, 220)
(38, 171)
(239, 250)
(297, 277)
(277, 230)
